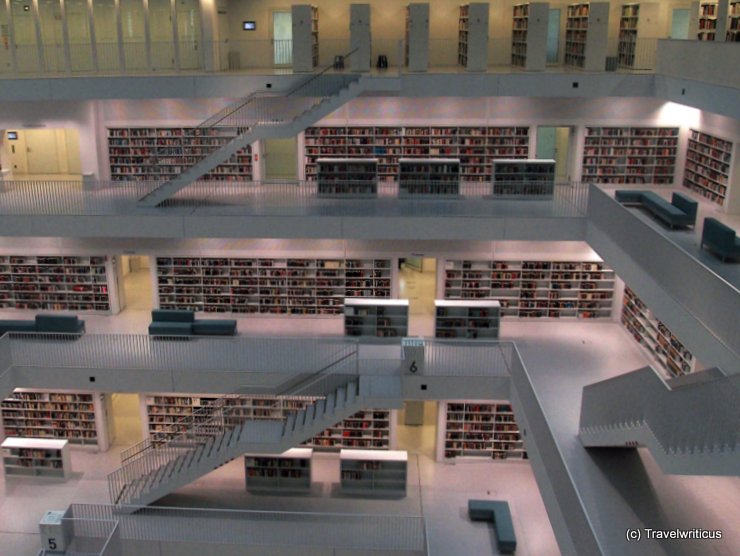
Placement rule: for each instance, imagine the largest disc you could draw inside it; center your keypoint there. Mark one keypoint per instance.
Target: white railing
(400, 534)
(456, 358)
(131, 351)
(98, 198)
(702, 416)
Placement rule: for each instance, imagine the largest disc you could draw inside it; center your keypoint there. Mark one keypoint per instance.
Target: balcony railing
(279, 198)
(147, 57)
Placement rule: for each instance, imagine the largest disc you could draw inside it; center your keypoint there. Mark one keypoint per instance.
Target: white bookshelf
(586, 35)
(708, 163)
(478, 429)
(368, 429)
(733, 22)
(305, 43)
(36, 457)
(637, 21)
(707, 28)
(347, 177)
(529, 36)
(360, 39)
(286, 472)
(162, 153)
(472, 37)
(523, 178)
(655, 337)
(267, 286)
(79, 283)
(467, 319)
(476, 147)
(372, 473)
(416, 55)
(376, 318)
(162, 412)
(534, 289)
(79, 417)
(428, 177)
(630, 155)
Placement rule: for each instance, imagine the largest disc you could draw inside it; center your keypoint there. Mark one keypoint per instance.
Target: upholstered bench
(720, 239)
(163, 328)
(497, 512)
(681, 211)
(17, 326)
(174, 322)
(50, 324)
(205, 327)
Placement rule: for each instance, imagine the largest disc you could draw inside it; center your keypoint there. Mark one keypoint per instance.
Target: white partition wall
(305, 37)
(359, 36)
(417, 37)
(473, 37)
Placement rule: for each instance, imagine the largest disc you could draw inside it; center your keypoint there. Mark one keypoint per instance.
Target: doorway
(126, 419)
(137, 283)
(417, 427)
(555, 143)
(282, 38)
(417, 282)
(280, 158)
(680, 24)
(45, 152)
(553, 36)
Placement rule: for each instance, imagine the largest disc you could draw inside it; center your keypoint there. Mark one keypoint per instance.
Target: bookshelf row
(55, 282)
(156, 153)
(372, 473)
(371, 429)
(36, 457)
(708, 166)
(534, 289)
(654, 336)
(586, 32)
(710, 15)
(474, 147)
(639, 155)
(467, 319)
(269, 286)
(478, 429)
(73, 416)
(376, 318)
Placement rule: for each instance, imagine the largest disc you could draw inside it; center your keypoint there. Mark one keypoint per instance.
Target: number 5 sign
(413, 356)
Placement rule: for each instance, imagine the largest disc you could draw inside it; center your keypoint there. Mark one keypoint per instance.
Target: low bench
(720, 239)
(681, 211)
(497, 512)
(50, 324)
(173, 322)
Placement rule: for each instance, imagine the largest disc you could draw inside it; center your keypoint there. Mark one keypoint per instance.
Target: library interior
(354, 279)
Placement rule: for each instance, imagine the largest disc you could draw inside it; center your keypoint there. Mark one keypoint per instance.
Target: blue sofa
(173, 322)
(50, 324)
(498, 513)
(720, 239)
(681, 211)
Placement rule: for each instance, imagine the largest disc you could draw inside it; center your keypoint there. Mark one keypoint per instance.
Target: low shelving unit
(428, 177)
(372, 473)
(286, 472)
(36, 457)
(347, 178)
(376, 318)
(523, 179)
(467, 319)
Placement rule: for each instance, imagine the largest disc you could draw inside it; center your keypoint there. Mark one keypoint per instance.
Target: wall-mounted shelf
(305, 38)
(586, 33)
(467, 319)
(416, 52)
(162, 153)
(75, 416)
(707, 21)
(428, 177)
(372, 473)
(57, 283)
(347, 178)
(733, 22)
(478, 429)
(655, 336)
(375, 318)
(630, 155)
(286, 472)
(534, 289)
(369, 429)
(475, 147)
(637, 21)
(708, 162)
(36, 457)
(269, 286)
(529, 36)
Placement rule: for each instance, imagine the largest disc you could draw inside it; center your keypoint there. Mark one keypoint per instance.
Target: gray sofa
(680, 212)
(720, 239)
(174, 322)
(52, 324)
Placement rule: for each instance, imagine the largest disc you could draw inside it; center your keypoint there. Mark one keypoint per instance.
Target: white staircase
(691, 424)
(264, 116)
(219, 434)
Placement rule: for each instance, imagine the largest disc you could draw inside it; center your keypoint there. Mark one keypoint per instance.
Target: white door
(282, 38)
(41, 149)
